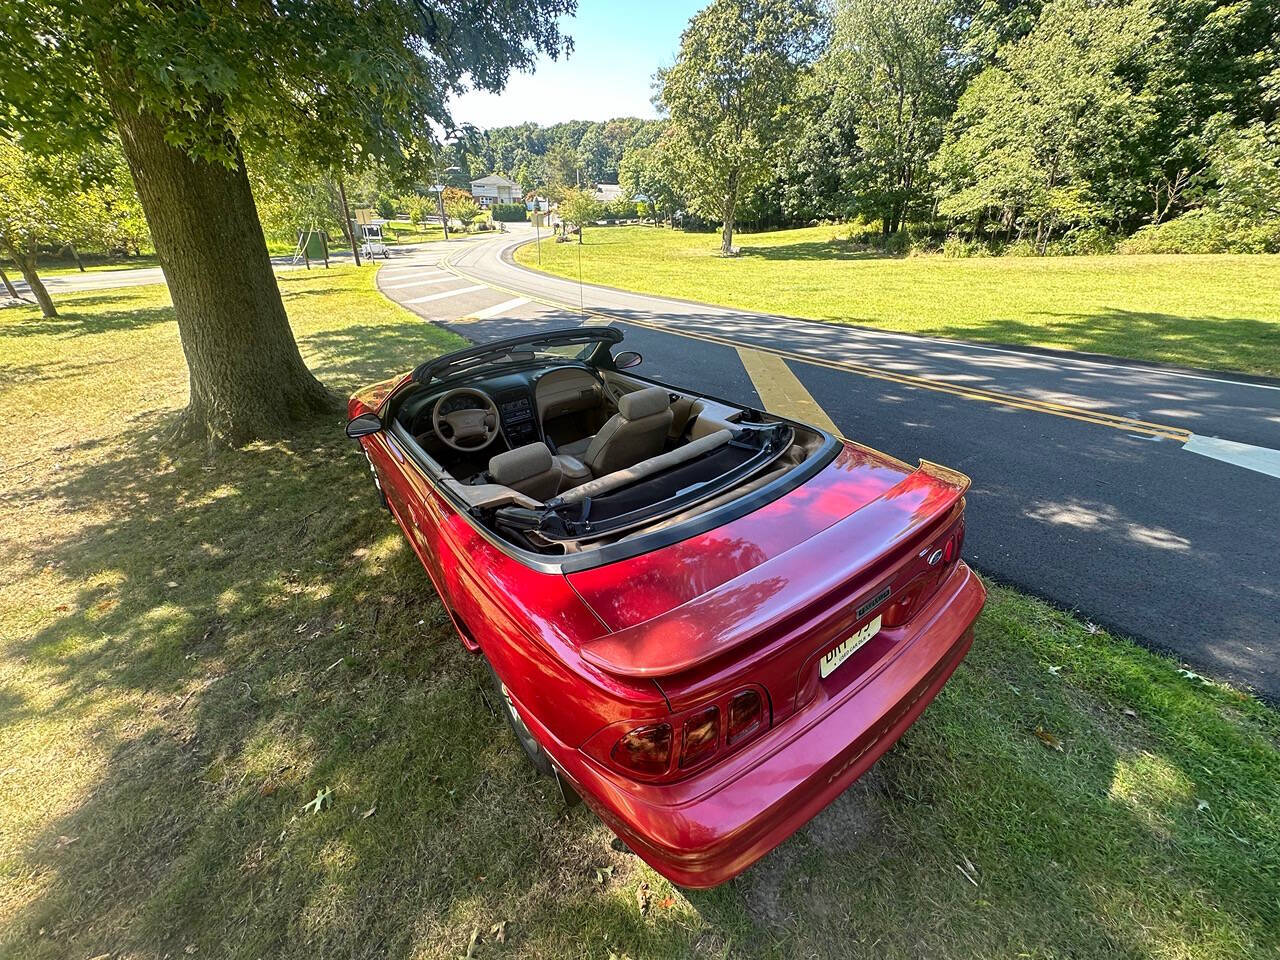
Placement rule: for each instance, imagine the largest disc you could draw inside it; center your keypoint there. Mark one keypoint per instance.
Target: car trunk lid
(759, 599)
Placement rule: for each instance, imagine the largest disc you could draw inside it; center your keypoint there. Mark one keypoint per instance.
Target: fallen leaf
(190, 948)
(369, 813)
(1129, 712)
(603, 874)
(1055, 671)
(666, 903)
(498, 932)
(642, 898)
(171, 584)
(1202, 805)
(1048, 739)
(323, 798)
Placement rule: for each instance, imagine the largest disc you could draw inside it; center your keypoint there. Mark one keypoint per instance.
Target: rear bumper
(706, 829)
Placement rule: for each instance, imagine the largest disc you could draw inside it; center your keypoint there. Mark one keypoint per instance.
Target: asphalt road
(1096, 484)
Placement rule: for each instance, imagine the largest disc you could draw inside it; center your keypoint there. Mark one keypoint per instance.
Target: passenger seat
(636, 432)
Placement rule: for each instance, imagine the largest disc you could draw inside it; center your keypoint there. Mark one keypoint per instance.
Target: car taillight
(701, 736)
(673, 747)
(645, 750)
(745, 715)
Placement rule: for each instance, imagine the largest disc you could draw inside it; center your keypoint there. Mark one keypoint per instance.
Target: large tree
(729, 94)
(190, 85)
(894, 71)
(1053, 136)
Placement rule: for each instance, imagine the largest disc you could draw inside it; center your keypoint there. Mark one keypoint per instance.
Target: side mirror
(627, 358)
(363, 425)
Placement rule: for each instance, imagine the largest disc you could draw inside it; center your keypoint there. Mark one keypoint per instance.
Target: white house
(494, 189)
(607, 192)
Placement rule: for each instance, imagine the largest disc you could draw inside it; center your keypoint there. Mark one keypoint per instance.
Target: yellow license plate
(848, 648)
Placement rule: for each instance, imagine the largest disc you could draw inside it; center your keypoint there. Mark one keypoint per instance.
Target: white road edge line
(1258, 459)
(446, 294)
(419, 283)
(499, 308)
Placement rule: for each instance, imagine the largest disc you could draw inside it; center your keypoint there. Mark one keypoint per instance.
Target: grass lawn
(192, 649)
(1221, 312)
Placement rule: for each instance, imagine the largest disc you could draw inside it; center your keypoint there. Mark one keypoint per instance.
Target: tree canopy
(729, 94)
(191, 87)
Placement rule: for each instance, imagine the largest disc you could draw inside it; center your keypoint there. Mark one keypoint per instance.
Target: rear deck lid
(636, 590)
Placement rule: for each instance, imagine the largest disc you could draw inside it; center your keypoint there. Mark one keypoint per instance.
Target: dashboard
(525, 400)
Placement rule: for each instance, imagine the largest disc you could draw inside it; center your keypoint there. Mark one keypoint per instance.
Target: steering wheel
(466, 430)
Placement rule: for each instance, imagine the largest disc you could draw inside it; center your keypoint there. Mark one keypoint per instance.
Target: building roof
(494, 180)
(608, 191)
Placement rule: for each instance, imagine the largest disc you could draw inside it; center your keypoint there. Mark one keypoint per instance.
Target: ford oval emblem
(934, 558)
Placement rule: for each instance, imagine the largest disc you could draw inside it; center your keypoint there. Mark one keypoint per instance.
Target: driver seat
(530, 470)
(636, 432)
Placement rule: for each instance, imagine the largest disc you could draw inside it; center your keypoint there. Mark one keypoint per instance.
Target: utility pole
(346, 218)
(444, 220)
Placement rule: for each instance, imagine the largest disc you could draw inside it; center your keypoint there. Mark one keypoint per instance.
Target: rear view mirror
(627, 358)
(363, 425)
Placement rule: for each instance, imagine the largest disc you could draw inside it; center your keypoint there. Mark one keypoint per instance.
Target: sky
(617, 47)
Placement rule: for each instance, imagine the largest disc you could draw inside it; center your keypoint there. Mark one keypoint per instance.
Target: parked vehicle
(707, 619)
(372, 242)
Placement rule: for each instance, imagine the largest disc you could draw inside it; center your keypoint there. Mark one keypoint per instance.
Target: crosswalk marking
(418, 283)
(781, 390)
(499, 308)
(445, 294)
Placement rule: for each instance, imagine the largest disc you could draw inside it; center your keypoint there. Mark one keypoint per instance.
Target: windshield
(573, 343)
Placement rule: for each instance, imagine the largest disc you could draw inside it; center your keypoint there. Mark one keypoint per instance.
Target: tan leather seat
(530, 470)
(636, 432)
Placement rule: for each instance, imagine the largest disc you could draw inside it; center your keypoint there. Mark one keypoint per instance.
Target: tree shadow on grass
(814, 250)
(73, 321)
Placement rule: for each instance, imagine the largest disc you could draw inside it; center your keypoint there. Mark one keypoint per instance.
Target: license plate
(848, 648)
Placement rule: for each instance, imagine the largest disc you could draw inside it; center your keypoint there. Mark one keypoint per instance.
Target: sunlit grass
(191, 649)
(1221, 312)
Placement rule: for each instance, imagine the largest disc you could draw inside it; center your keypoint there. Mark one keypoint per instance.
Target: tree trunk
(247, 378)
(27, 264)
(346, 220)
(9, 287)
(730, 206)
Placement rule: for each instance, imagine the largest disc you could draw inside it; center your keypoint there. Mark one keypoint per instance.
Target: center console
(519, 423)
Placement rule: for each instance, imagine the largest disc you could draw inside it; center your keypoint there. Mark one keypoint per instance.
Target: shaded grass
(1221, 312)
(191, 649)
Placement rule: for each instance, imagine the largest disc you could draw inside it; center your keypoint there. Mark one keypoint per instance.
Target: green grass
(190, 649)
(1221, 312)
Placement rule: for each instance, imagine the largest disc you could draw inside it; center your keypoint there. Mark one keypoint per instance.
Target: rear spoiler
(766, 595)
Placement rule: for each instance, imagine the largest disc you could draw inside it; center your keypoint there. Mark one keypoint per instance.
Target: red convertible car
(707, 619)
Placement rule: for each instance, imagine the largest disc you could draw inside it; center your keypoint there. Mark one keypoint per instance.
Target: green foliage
(1204, 231)
(386, 207)
(579, 207)
(508, 212)
(729, 93)
(1042, 141)
(1243, 171)
(346, 85)
(462, 208)
(891, 79)
(651, 171)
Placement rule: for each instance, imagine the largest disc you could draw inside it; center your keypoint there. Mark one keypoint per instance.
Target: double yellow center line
(1144, 428)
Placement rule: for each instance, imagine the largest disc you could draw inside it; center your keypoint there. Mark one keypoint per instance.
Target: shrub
(508, 212)
(958, 247)
(1204, 231)
(386, 207)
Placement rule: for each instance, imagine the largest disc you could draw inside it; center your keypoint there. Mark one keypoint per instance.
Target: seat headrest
(519, 464)
(644, 403)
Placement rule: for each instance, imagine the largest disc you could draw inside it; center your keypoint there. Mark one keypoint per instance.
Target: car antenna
(581, 307)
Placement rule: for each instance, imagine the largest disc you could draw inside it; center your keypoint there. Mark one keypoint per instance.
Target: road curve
(1108, 487)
